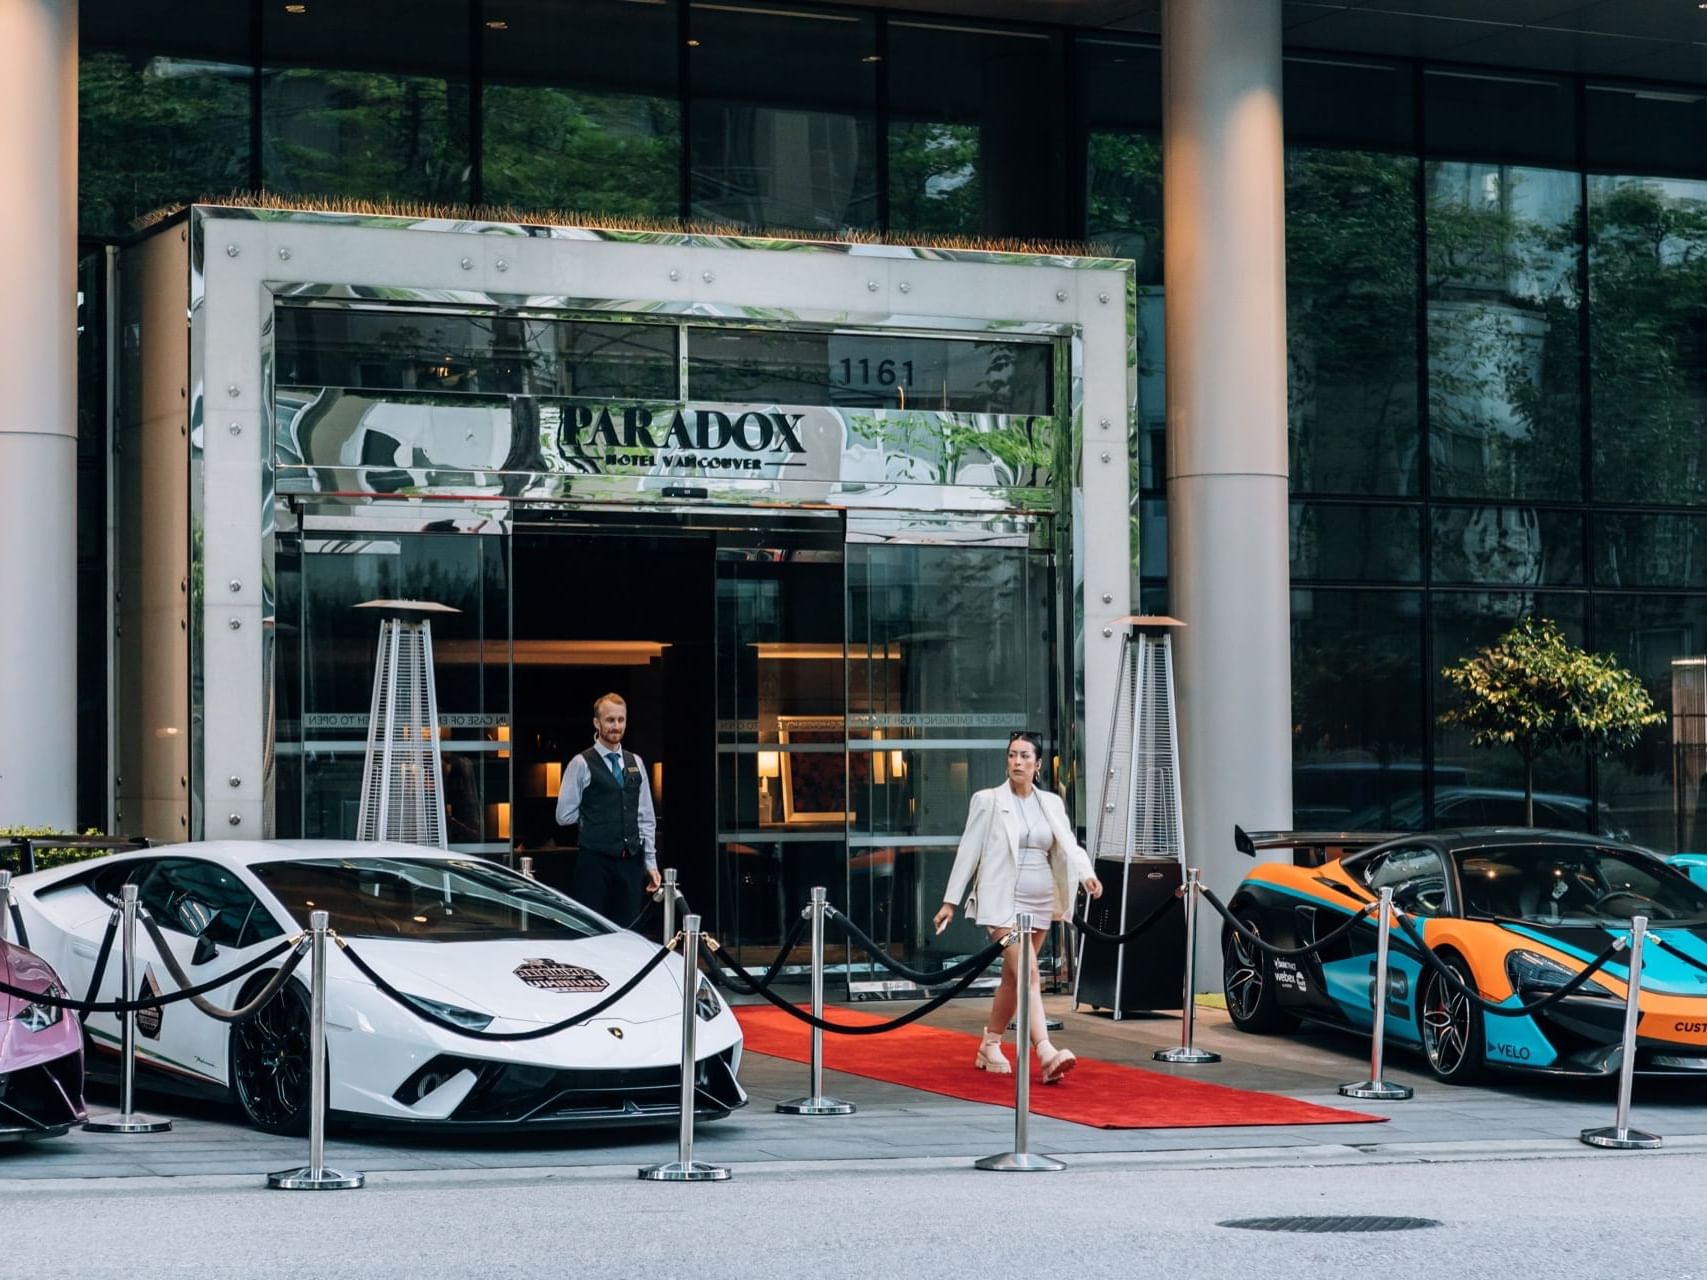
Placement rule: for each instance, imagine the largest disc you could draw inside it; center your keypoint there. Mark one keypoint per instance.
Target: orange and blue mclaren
(1515, 914)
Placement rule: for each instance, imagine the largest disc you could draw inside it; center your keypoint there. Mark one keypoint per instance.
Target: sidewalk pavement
(1509, 1114)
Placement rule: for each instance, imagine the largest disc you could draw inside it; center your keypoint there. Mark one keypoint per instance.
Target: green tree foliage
(609, 153)
(46, 858)
(1534, 691)
(933, 178)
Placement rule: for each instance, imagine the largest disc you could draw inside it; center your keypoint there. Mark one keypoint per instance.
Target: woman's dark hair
(1026, 735)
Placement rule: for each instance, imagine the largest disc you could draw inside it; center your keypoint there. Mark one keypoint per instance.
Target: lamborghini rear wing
(1310, 848)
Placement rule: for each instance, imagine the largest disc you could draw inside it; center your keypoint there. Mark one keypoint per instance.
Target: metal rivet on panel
(1108, 631)
(236, 624)
(1102, 297)
(235, 585)
(233, 390)
(183, 429)
(1060, 295)
(183, 584)
(467, 264)
(183, 821)
(501, 265)
(675, 274)
(1107, 597)
(234, 781)
(284, 254)
(707, 276)
(1105, 424)
(1105, 457)
(231, 251)
(183, 781)
(234, 819)
(182, 625)
(871, 286)
(904, 287)
(236, 428)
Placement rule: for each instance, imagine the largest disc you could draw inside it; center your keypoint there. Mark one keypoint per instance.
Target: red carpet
(1103, 1095)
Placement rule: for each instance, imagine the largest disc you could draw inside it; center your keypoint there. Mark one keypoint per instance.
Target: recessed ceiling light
(296, 8)
(693, 44)
(497, 24)
(872, 57)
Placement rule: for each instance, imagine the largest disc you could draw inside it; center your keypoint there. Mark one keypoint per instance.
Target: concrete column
(38, 412)
(1225, 312)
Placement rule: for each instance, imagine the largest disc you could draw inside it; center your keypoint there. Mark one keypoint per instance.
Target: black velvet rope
(1684, 956)
(1507, 1010)
(924, 978)
(1239, 928)
(101, 957)
(243, 1012)
(987, 957)
(1119, 939)
(151, 1002)
(788, 944)
(537, 1033)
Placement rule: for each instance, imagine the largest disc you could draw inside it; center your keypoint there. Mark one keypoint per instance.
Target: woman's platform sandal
(990, 1057)
(1056, 1063)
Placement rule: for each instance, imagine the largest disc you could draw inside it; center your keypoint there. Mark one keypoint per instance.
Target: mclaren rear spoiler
(1310, 848)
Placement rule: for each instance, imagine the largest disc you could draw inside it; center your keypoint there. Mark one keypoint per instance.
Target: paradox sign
(557, 975)
(632, 436)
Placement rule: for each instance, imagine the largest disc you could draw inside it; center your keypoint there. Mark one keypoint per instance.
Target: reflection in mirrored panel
(1655, 793)
(581, 114)
(1341, 542)
(1633, 549)
(1503, 330)
(1648, 292)
(1351, 296)
(758, 366)
(1506, 546)
(795, 146)
(1357, 689)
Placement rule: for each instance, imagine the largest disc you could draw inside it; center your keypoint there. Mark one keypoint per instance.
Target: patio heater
(1137, 837)
(402, 773)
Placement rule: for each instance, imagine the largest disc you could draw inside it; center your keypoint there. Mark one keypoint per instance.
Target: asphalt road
(1564, 1216)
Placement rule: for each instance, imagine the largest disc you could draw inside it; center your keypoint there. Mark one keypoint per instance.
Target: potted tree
(1534, 691)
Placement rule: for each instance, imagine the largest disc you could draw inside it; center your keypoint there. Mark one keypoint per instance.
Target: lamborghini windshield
(425, 900)
(1575, 884)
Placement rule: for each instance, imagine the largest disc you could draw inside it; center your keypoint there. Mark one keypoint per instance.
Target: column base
(1019, 1162)
(128, 1122)
(817, 1105)
(1621, 1140)
(1185, 1057)
(309, 1178)
(685, 1171)
(1376, 1091)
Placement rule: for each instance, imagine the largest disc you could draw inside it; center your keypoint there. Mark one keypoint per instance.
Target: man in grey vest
(606, 790)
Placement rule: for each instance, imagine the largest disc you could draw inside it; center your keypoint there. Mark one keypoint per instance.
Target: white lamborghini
(465, 941)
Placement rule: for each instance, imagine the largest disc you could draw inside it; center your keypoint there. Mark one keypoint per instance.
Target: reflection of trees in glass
(359, 133)
(1351, 285)
(933, 178)
(617, 154)
(1648, 339)
(1124, 185)
(1356, 676)
(1503, 253)
(156, 132)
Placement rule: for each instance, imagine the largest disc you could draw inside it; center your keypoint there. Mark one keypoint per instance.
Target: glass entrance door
(951, 636)
(783, 795)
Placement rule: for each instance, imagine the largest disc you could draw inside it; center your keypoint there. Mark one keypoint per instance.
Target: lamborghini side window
(1416, 876)
(202, 899)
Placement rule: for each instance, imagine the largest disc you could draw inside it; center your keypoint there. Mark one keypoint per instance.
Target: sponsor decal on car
(1510, 1052)
(555, 975)
(1689, 1027)
(1288, 974)
(148, 1020)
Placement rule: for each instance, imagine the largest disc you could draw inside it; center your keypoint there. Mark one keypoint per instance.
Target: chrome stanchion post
(1621, 1135)
(527, 865)
(1187, 1053)
(684, 1168)
(1021, 1159)
(316, 1176)
(815, 1103)
(1376, 1089)
(5, 906)
(670, 894)
(127, 1121)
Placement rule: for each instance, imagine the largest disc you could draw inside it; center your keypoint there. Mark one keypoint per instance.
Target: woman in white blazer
(1018, 855)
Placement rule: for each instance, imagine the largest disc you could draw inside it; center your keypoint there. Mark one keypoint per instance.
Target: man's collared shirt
(575, 779)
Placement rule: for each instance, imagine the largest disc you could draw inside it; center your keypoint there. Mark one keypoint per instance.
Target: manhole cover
(1344, 1223)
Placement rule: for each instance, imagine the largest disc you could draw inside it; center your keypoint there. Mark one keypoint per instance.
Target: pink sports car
(41, 1053)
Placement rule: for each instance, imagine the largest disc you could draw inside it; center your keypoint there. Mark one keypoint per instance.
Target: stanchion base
(309, 1178)
(816, 1106)
(1376, 1091)
(1187, 1057)
(1019, 1162)
(680, 1171)
(1628, 1140)
(128, 1122)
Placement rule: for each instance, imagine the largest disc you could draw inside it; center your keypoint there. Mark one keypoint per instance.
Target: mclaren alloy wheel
(1247, 979)
(1452, 1033)
(270, 1063)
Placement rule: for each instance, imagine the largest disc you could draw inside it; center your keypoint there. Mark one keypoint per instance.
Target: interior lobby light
(296, 8)
(497, 24)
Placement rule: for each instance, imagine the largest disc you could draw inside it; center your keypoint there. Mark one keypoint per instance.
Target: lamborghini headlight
(39, 1017)
(466, 1018)
(705, 1001)
(1530, 972)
